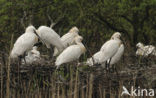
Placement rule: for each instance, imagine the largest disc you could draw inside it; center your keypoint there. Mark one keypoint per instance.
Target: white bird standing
(50, 38)
(67, 39)
(110, 52)
(145, 50)
(111, 47)
(33, 56)
(24, 43)
(71, 53)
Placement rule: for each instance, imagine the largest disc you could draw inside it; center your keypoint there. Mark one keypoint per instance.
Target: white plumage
(67, 39)
(33, 56)
(112, 49)
(117, 56)
(145, 50)
(71, 53)
(35, 52)
(94, 59)
(50, 37)
(24, 43)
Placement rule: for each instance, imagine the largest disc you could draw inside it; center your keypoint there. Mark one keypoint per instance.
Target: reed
(77, 83)
(1, 80)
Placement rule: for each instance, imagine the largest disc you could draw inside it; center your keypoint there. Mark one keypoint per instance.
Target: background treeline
(96, 19)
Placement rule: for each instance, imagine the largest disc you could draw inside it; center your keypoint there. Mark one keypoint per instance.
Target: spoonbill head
(139, 45)
(116, 35)
(74, 29)
(30, 29)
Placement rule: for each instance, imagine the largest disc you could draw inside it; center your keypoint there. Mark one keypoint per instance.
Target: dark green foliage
(96, 19)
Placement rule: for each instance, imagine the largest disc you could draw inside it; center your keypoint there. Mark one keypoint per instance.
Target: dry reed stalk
(82, 92)
(53, 90)
(110, 92)
(18, 94)
(13, 94)
(70, 91)
(134, 79)
(87, 87)
(63, 92)
(53, 93)
(76, 85)
(58, 91)
(100, 91)
(54, 86)
(71, 83)
(8, 71)
(36, 96)
(120, 88)
(90, 86)
(40, 95)
(104, 93)
(1, 80)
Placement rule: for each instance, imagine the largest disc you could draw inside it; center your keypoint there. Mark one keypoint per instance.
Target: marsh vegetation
(96, 20)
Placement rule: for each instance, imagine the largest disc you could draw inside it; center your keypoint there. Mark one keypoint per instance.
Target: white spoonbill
(50, 38)
(71, 53)
(110, 52)
(110, 48)
(33, 56)
(145, 50)
(67, 39)
(24, 43)
(115, 58)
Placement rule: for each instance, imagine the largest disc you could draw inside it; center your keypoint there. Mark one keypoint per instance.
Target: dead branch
(59, 19)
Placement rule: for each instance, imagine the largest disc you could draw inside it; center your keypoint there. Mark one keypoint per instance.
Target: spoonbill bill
(71, 53)
(50, 38)
(24, 43)
(68, 38)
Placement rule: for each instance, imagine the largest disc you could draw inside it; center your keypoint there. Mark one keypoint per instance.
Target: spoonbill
(110, 52)
(67, 39)
(110, 48)
(50, 38)
(33, 56)
(145, 50)
(71, 53)
(24, 43)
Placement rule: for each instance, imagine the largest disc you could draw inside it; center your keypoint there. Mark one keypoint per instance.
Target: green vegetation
(96, 19)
